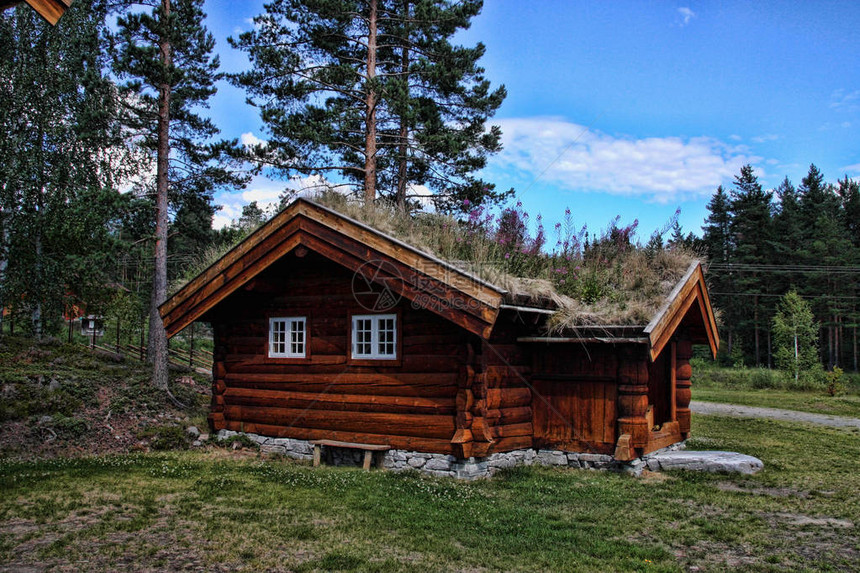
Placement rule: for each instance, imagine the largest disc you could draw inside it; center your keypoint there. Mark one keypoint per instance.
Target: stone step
(706, 461)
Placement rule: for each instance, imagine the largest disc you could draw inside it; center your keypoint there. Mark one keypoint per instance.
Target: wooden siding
(410, 405)
(576, 394)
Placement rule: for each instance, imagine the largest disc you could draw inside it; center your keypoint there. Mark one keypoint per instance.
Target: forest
(762, 244)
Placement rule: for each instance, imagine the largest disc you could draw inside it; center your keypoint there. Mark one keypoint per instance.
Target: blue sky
(637, 109)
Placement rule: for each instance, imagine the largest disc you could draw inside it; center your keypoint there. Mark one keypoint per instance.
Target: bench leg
(317, 455)
(368, 456)
(380, 460)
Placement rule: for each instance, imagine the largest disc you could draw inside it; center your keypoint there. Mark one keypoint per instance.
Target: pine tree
(716, 239)
(849, 194)
(166, 57)
(374, 92)
(751, 232)
(826, 244)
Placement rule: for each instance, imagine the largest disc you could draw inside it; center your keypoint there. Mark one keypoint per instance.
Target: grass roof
(605, 278)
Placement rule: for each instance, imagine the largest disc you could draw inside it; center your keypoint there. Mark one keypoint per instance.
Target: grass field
(811, 401)
(773, 389)
(220, 511)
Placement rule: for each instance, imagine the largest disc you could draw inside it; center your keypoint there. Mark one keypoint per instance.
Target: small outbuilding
(327, 329)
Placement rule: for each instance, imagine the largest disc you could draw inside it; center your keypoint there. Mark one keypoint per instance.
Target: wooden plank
(506, 416)
(352, 445)
(512, 430)
(508, 397)
(418, 425)
(341, 402)
(610, 412)
(511, 444)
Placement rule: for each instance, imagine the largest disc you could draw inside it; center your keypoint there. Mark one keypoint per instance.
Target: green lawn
(812, 401)
(220, 511)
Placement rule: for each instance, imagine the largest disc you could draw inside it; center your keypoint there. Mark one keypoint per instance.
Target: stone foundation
(450, 466)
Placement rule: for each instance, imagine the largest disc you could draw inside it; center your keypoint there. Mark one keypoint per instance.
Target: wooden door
(575, 415)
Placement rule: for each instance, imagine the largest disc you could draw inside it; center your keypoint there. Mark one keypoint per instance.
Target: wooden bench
(369, 451)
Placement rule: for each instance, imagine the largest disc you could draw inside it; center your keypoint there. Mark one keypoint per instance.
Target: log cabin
(328, 329)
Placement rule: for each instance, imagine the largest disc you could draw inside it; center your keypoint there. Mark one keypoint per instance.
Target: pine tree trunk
(157, 347)
(36, 313)
(838, 344)
(769, 349)
(730, 343)
(403, 147)
(4, 261)
(855, 349)
(370, 112)
(755, 331)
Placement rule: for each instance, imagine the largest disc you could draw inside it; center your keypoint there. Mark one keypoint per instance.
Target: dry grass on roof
(610, 281)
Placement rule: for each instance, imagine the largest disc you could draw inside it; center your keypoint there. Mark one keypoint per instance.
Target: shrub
(69, 427)
(168, 438)
(835, 385)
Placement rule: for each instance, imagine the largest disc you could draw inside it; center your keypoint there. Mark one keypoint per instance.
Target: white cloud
(853, 170)
(843, 100)
(662, 169)
(735, 137)
(765, 138)
(686, 15)
(266, 192)
(249, 139)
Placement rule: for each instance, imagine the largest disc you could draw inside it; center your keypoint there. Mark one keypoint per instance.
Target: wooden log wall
(683, 392)
(633, 396)
(410, 404)
(576, 394)
(506, 367)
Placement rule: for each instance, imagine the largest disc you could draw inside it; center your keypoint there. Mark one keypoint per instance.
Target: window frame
(290, 321)
(375, 358)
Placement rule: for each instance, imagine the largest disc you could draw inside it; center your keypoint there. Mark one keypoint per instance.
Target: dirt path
(774, 414)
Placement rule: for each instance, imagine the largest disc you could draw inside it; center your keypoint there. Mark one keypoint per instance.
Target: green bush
(69, 427)
(835, 385)
(244, 441)
(168, 438)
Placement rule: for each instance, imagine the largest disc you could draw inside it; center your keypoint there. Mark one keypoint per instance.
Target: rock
(196, 444)
(438, 464)
(416, 462)
(552, 458)
(708, 461)
(204, 437)
(273, 449)
(46, 419)
(192, 431)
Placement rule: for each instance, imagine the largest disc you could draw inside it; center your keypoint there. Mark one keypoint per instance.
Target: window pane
(287, 337)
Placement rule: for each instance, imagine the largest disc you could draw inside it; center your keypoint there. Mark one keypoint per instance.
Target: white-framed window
(287, 337)
(374, 336)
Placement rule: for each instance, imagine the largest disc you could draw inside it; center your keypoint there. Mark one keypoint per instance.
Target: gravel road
(774, 414)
